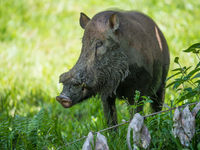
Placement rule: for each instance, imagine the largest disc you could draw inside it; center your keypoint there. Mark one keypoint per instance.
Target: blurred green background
(40, 39)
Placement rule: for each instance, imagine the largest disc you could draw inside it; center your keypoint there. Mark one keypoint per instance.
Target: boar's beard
(110, 72)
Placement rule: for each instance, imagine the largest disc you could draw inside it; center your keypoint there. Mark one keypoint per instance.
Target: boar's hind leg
(159, 99)
(109, 108)
(160, 94)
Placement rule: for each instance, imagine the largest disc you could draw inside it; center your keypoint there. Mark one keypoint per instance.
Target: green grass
(41, 39)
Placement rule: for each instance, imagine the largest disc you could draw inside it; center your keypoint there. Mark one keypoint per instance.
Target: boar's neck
(115, 69)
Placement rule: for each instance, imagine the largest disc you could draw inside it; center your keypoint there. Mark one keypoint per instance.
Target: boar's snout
(65, 101)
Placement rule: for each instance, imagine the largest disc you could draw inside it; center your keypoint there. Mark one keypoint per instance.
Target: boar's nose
(60, 97)
(65, 101)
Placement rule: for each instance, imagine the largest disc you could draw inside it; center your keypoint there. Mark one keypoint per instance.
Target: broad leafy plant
(187, 78)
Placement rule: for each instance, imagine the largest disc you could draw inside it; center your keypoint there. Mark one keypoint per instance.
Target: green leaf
(187, 95)
(193, 72)
(173, 75)
(196, 76)
(197, 65)
(198, 146)
(176, 60)
(186, 69)
(177, 84)
(179, 89)
(186, 78)
(193, 48)
(149, 101)
(170, 84)
(198, 81)
(196, 51)
(177, 69)
(188, 89)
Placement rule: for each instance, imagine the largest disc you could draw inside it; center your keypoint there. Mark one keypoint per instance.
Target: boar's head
(102, 65)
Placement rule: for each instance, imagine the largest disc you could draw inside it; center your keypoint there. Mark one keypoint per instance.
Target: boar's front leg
(109, 108)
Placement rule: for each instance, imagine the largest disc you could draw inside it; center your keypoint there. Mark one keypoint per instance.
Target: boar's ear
(114, 22)
(84, 19)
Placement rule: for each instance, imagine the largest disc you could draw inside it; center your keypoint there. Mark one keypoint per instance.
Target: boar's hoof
(66, 102)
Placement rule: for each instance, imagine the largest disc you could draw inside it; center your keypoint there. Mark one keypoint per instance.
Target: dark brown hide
(121, 52)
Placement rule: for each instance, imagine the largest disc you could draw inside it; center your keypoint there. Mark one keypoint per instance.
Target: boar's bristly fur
(121, 52)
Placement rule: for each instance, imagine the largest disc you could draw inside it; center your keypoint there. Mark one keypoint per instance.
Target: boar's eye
(99, 44)
(75, 82)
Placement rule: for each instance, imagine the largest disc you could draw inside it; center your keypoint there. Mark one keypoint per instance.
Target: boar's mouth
(65, 101)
